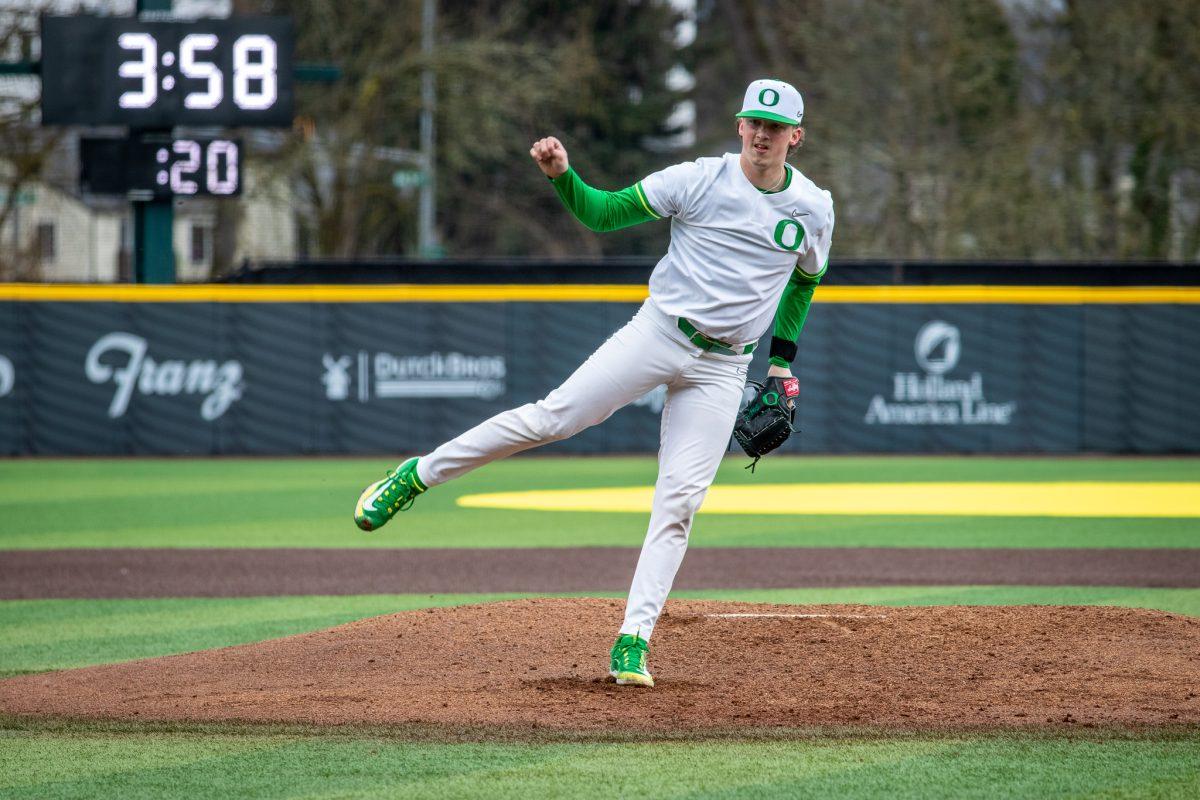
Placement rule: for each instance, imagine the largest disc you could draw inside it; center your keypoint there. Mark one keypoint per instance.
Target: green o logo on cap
(762, 97)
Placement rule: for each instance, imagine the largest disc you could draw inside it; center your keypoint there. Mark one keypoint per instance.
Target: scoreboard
(162, 166)
(163, 73)
(153, 75)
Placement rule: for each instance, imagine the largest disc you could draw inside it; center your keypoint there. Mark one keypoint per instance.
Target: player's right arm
(595, 208)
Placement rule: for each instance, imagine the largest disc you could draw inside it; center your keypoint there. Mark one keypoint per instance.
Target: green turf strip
(1179, 601)
(308, 503)
(39, 635)
(83, 764)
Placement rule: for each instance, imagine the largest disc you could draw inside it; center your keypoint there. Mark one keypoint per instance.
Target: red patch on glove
(791, 387)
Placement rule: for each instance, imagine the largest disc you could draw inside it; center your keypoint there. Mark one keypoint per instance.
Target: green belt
(710, 345)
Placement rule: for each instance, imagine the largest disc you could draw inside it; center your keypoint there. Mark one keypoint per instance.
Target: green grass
(308, 503)
(40, 635)
(1178, 601)
(83, 763)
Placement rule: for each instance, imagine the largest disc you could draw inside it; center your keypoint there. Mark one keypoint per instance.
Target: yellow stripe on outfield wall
(1067, 499)
(560, 293)
(324, 293)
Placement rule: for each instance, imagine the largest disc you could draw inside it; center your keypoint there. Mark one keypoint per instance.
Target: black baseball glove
(766, 421)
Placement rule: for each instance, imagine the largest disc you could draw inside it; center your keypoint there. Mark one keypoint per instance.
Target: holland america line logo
(934, 398)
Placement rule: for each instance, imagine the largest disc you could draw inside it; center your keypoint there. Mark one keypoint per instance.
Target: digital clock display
(159, 74)
(162, 166)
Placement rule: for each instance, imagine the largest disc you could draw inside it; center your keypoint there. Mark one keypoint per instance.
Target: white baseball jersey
(733, 248)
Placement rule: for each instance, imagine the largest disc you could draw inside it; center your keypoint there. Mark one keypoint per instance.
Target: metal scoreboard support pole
(153, 241)
(154, 219)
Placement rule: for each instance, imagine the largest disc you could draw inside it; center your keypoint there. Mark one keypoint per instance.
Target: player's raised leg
(697, 421)
(630, 363)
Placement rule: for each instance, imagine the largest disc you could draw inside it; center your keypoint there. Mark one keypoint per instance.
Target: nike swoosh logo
(371, 498)
(799, 213)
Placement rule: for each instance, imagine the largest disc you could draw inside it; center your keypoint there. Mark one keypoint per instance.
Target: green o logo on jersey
(774, 95)
(781, 232)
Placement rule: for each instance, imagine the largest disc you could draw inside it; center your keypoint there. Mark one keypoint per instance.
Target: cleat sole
(634, 679)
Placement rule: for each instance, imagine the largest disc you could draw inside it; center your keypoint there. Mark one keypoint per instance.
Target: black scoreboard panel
(163, 166)
(159, 74)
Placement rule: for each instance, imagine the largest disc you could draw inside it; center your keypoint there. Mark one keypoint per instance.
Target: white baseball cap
(774, 100)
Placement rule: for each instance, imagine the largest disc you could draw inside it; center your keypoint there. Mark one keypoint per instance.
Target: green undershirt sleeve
(793, 309)
(601, 210)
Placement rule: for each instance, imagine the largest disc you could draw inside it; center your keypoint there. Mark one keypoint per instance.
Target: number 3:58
(245, 95)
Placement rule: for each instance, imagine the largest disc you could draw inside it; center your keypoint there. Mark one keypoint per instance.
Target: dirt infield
(537, 663)
(99, 573)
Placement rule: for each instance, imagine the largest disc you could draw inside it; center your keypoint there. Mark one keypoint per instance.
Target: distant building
(54, 233)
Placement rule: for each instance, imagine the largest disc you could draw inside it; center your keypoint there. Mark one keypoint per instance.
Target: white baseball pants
(704, 392)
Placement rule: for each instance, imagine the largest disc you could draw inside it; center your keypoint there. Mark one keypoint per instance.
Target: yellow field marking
(1066, 499)
(560, 293)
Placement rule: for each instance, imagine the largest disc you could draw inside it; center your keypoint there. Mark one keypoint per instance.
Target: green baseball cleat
(627, 663)
(380, 501)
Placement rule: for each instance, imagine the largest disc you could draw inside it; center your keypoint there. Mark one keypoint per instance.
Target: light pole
(427, 241)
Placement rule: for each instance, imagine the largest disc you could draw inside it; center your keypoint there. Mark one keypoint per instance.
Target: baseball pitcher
(750, 239)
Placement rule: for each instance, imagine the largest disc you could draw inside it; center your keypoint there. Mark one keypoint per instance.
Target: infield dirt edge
(41, 724)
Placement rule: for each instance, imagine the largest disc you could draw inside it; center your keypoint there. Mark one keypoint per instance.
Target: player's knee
(682, 504)
(555, 424)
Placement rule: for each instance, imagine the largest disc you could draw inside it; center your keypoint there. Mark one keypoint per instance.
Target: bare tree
(25, 147)
(506, 73)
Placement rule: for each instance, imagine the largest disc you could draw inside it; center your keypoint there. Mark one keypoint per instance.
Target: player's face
(766, 142)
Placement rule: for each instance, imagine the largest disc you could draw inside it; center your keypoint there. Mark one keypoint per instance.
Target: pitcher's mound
(541, 663)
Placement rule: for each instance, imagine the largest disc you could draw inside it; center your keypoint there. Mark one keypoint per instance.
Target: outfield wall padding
(199, 378)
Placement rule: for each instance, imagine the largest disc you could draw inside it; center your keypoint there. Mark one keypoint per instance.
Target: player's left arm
(789, 321)
(795, 301)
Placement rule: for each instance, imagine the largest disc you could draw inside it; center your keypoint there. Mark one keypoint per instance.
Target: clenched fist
(550, 155)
